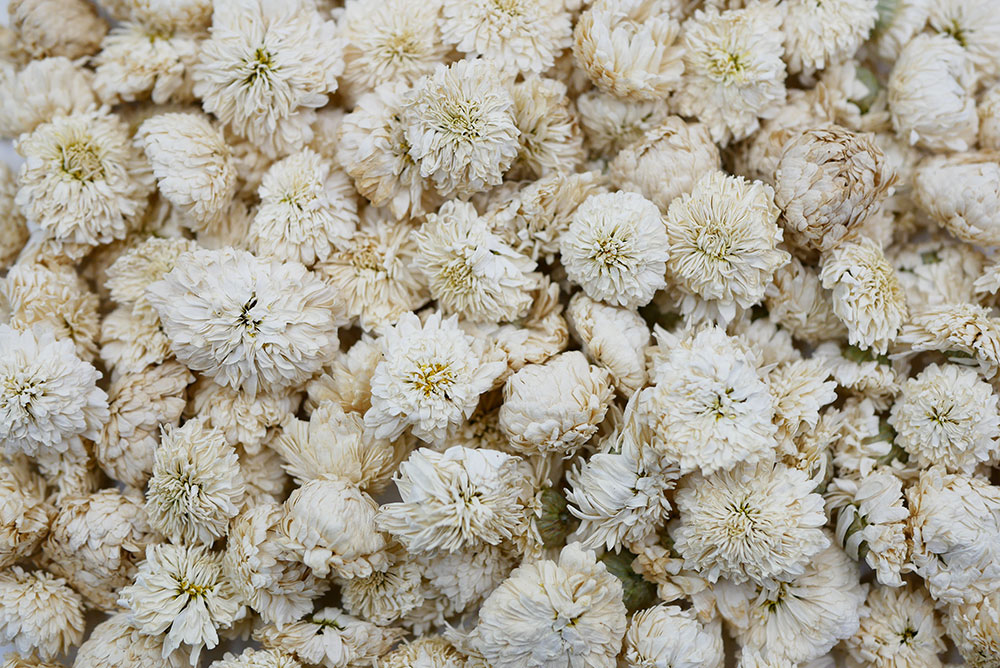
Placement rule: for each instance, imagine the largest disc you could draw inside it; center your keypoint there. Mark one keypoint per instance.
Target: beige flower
(550, 138)
(70, 28)
(39, 612)
(901, 630)
(667, 635)
(40, 91)
(139, 60)
(960, 193)
(824, 33)
(24, 515)
(118, 642)
(611, 337)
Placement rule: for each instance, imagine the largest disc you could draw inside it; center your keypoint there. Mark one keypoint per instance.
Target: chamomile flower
(39, 612)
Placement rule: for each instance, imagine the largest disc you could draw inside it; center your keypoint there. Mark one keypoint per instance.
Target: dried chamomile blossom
(550, 138)
(975, 630)
(758, 522)
(630, 48)
(899, 21)
(864, 442)
(256, 658)
(733, 71)
(142, 265)
(459, 581)
(802, 619)
(39, 612)
(901, 630)
(55, 300)
(243, 419)
(13, 226)
(724, 238)
(613, 338)
(610, 124)
(457, 499)
(266, 480)
(947, 415)
(118, 642)
(708, 408)
(872, 528)
(183, 595)
(268, 578)
(24, 515)
(193, 165)
(385, 41)
(818, 34)
(988, 109)
(428, 651)
(959, 330)
(82, 181)
(867, 295)
(955, 532)
(470, 270)
(666, 161)
(139, 60)
(795, 299)
(460, 127)
(329, 525)
(40, 91)
(861, 372)
(179, 15)
(331, 638)
(347, 379)
(429, 379)
(974, 27)
(931, 95)
(801, 390)
(48, 395)
(307, 208)
(938, 272)
(132, 339)
(616, 249)
(828, 181)
(95, 543)
(265, 326)
(960, 193)
(385, 596)
(520, 35)
(555, 613)
(196, 485)
(265, 68)
(556, 406)
(669, 636)
(70, 28)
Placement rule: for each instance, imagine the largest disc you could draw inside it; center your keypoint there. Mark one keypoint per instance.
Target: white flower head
(724, 238)
(520, 35)
(142, 59)
(756, 522)
(616, 249)
(960, 193)
(630, 48)
(470, 270)
(429, 379)
(256, 658)
(968, 329)
(734, 74)
(39, 612)
(457, 499)
(708, 408)
(461, 580)
(554, 613)
(24, 515)
(68, 28)
(246, 322)
(818, 34)
(48, 395)
(118, 642)
(975, 630)
(666, 635)
(40, 91)
(265, 69)
(974, 27)
(244, 420)
(901, 630)
(610, 124)
(182, 592)
(13, 226)
(550, 139)
(873, 527)
(197, 485)
(460, 127)
(383, 597)
(611, 337)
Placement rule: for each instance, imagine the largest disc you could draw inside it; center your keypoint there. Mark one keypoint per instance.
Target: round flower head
(828, 181)
(256, 658)
(470, 270)
(723, 243)
(118, 642)
(142, 265)
(616, 249)
(612, 337)
(758, 522)
(556, 406)
(329, 525)
(974, 27)
(938, 271)
(13, 226)
(246, 322)
(40, 91)
(975, 630)
(733, 72)
(427, 652)
(520, 35)
(630, 48)
(39, 612)
(665, 635)
(931, 95)
(307, 207)
(867, 295)
(708, 408)
(960, 194)
(48, 395)
(182, 594)
(897, 24)
(947, 415)
(244, 420)
(194, 166)
(666, 162)
(460, 127)
(802, 619)
(82, 181)
(384, 596)
(873, 527)
(554, 613)
(955, 530)
(900, 630)
(139, 60)
(461, 580)
(796, 300)
(347, 380)
(179, 15)
(196, 486)
(966, 329)
(70, 28)
(456, 499)
(550, 139)
(429, 379)
(265, 69)
(989, 119)
(384, 42)
(825, 33)
(95, 542)
(24, 515)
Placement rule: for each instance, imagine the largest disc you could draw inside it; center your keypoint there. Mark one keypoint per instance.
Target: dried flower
(39, 612)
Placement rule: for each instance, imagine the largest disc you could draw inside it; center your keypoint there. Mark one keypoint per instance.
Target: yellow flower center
(432, 378)
(81, 161)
